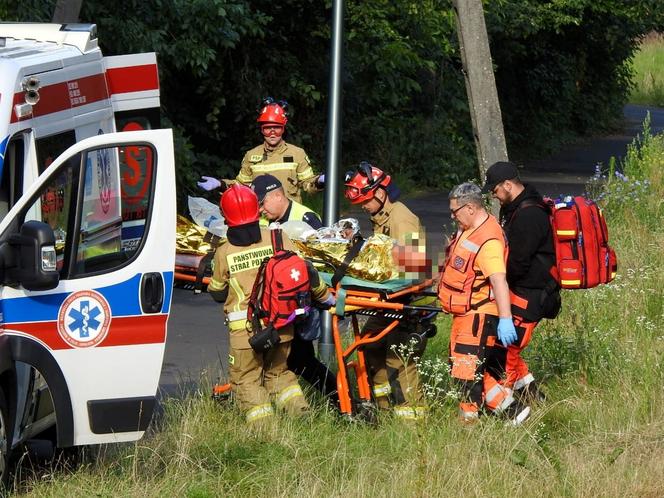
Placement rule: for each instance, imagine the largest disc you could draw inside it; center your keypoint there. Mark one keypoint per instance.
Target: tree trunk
(480, 84)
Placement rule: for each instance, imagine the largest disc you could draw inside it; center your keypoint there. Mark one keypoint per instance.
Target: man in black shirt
(534, 291)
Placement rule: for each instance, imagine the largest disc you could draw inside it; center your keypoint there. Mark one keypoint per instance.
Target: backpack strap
(277, 240)
(356, 245)
(529, 203)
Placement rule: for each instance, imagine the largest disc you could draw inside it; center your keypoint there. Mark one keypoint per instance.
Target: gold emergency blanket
(189, 238)
(374, 261)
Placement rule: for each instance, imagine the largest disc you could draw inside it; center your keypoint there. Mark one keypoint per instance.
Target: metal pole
(333, 155)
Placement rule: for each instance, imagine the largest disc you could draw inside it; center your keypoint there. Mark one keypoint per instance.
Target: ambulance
(87, 238)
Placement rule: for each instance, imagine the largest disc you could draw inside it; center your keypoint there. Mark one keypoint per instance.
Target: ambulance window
(117, 193)
(49, 148)
(53, 205)
(11, 185)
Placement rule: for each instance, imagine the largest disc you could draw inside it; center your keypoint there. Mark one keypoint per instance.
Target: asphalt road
(196, 349)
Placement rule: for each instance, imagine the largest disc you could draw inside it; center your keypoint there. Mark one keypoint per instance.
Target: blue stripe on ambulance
(45, 308)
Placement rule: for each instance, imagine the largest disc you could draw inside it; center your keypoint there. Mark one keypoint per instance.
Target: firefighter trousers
(257, 379)
(475, 364)
(392, 370)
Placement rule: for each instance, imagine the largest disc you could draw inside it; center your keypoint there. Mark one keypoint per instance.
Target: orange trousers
(475, 363)
(517, 374)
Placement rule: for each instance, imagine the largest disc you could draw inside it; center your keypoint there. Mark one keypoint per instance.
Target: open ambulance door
(82, 309)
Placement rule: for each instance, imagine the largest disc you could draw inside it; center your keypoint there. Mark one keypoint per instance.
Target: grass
(599, 433)
(648, 68)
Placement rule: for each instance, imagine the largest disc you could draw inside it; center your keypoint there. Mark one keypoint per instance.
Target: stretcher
(394, 300)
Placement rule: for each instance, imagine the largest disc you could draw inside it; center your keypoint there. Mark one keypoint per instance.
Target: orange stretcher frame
(356, 300)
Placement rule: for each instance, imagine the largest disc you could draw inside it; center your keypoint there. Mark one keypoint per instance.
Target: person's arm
(501, 294)
(312, 220)
(218, 286)
(491, 262)
(307, 180)
(245, 176)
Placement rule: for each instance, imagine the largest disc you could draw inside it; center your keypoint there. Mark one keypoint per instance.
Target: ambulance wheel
(5, 445)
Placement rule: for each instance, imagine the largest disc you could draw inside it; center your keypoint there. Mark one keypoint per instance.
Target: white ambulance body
(86, 257)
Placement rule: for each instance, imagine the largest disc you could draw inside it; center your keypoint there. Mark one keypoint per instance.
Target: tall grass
(600, 431)
(648, 68)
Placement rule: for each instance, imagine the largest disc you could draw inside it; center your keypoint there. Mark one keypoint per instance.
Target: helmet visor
(353, 193)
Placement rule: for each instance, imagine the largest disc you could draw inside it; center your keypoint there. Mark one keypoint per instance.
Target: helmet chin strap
(380, 202)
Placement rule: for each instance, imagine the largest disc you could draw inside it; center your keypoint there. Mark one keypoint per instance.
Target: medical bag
(281, 294)
(581, 239)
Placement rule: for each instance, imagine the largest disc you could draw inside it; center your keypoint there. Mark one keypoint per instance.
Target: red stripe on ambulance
(132, 79)
(66, 95)
(124, 331)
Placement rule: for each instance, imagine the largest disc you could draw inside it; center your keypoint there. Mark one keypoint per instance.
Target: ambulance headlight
(48, 258)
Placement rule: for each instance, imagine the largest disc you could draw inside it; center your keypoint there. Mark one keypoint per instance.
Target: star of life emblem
(84, 319)
(295, 275)
(458, 262)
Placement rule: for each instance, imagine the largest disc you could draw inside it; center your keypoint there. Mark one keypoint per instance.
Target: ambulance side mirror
(29, 258)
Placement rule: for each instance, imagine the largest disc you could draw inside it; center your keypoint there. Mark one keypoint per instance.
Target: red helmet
(361, 184)
(273, 112)
(239, 205)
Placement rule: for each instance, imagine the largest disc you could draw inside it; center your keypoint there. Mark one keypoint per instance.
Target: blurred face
(274, 205)
(272, 134)
(461, 213)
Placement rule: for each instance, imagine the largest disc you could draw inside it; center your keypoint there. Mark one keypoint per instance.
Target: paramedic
(534, 291)
(474, 289)
(255, 377)
(289, 163)
(393, 371)
(276, 207)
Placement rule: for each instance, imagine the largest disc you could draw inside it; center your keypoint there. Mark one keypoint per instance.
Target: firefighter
(394, 376)
(289, 163)
(255, 377)
(474, 289)
(534, 292)
(276, 207)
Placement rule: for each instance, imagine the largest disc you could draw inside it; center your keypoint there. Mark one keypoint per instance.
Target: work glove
(506, 331)
(320, 181)
(208, 183)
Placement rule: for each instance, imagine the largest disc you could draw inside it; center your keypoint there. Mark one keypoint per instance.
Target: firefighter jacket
(289, 163)
(235, 269)
(397, 221)
(473, 256)
(528, 230)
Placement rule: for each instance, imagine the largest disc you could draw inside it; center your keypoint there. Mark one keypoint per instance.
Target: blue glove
(208, 183)
(329, 301)
(320, 181)
(506, 331)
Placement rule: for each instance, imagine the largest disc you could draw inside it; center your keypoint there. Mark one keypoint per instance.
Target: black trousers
(302, 361)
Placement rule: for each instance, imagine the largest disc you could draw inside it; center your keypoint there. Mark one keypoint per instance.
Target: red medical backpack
(581, 239)
(282, 290)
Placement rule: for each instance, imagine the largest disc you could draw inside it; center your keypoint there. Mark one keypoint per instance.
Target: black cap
(263, 184)
(499, 172)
